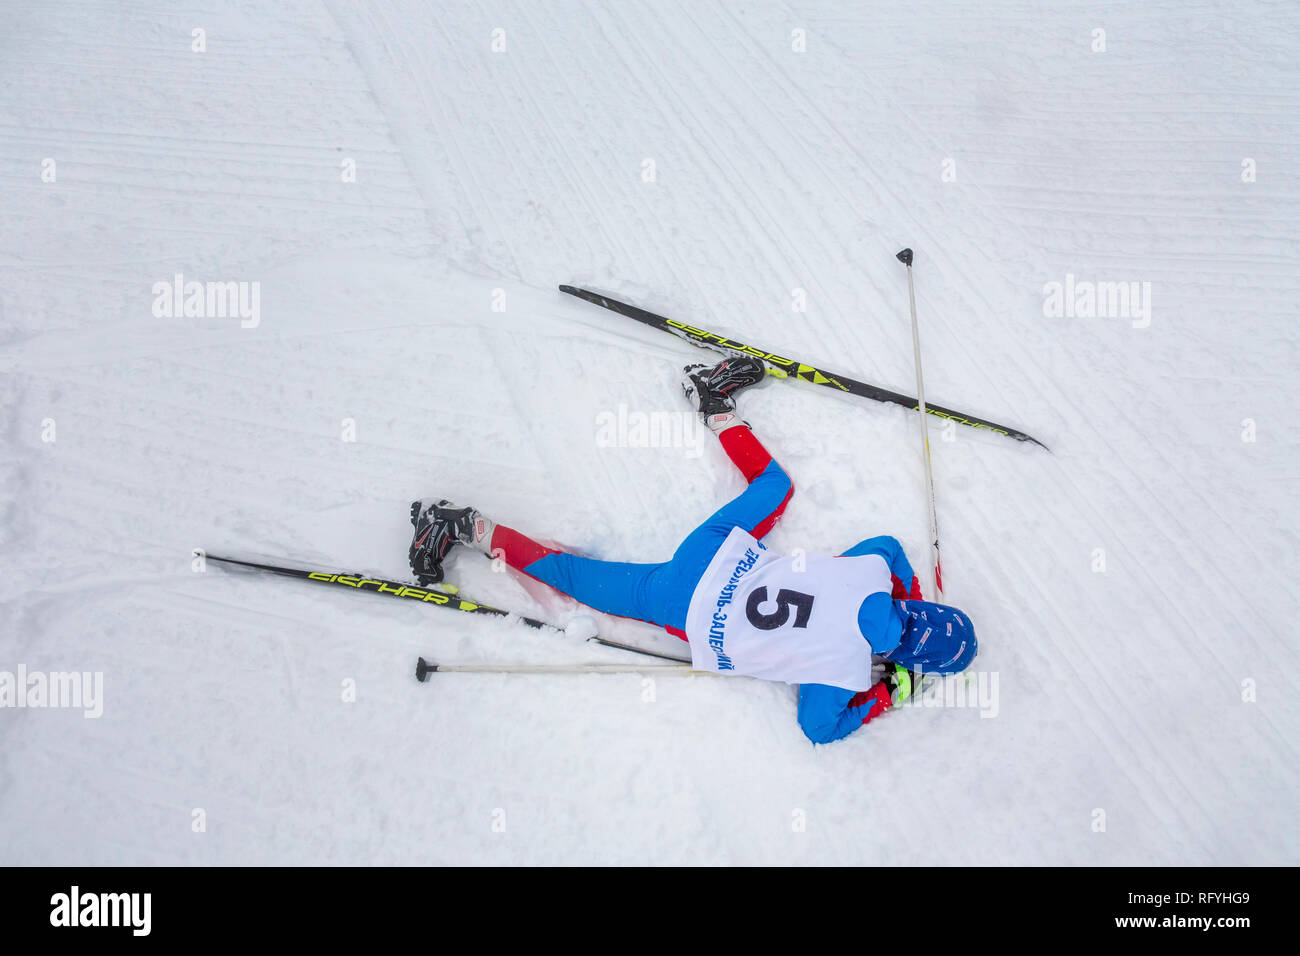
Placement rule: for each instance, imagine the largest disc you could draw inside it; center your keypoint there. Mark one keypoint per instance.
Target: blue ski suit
(660, 593)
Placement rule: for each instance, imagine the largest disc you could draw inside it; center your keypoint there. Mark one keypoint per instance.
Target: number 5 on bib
(785, 599)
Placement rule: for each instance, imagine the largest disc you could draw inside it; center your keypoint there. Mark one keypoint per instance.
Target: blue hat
(937, 639)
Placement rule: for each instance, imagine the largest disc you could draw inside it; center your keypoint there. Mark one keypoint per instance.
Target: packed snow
(395, 189)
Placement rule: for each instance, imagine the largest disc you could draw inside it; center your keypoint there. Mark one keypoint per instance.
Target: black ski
(411, 592)
(783, 367)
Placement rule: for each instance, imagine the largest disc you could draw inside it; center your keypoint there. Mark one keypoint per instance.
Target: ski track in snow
(1120, 691)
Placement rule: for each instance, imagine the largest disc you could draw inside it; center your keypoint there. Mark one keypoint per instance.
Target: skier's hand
(897, 685)
(870, 704)
(899, 682)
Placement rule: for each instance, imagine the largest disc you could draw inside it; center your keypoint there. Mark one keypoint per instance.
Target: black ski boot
(437, 528)
(712, 388)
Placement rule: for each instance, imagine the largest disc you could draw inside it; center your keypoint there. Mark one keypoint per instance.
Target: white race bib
(785, 618)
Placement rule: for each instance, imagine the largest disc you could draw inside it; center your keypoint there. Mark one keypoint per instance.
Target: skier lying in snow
(813, 620)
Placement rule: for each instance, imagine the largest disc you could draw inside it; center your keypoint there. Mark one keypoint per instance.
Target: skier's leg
(755, 510)
(614, 587)
(657, 593)
(770, 488)
(712, 390)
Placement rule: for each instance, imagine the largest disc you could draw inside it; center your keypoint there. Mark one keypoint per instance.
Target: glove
(896, 686)
(869, 704)
(899, 682)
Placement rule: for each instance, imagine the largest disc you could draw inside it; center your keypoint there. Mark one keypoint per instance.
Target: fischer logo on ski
(783, 367)
(389, 587)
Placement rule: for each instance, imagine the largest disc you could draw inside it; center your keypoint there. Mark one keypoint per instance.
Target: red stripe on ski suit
(517, 550)
(748, 454)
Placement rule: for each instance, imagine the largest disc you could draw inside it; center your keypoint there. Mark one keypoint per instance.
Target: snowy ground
(1130, 588)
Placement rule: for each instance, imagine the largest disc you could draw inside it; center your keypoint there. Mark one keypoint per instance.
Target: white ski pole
(905, 257)
(424, 668)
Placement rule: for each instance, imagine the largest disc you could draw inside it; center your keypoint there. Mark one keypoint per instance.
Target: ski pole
(424, 668)
(905, 257)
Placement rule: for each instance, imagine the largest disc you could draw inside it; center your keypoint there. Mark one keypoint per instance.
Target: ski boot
(437, 528)
(712, 388)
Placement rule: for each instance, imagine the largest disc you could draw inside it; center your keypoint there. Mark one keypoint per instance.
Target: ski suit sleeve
(829, 713)
(906, 584)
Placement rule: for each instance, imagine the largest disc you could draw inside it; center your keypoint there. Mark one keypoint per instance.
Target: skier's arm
(906, 584)
(829, 713)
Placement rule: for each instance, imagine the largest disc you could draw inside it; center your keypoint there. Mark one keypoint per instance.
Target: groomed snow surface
(1134, 590)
